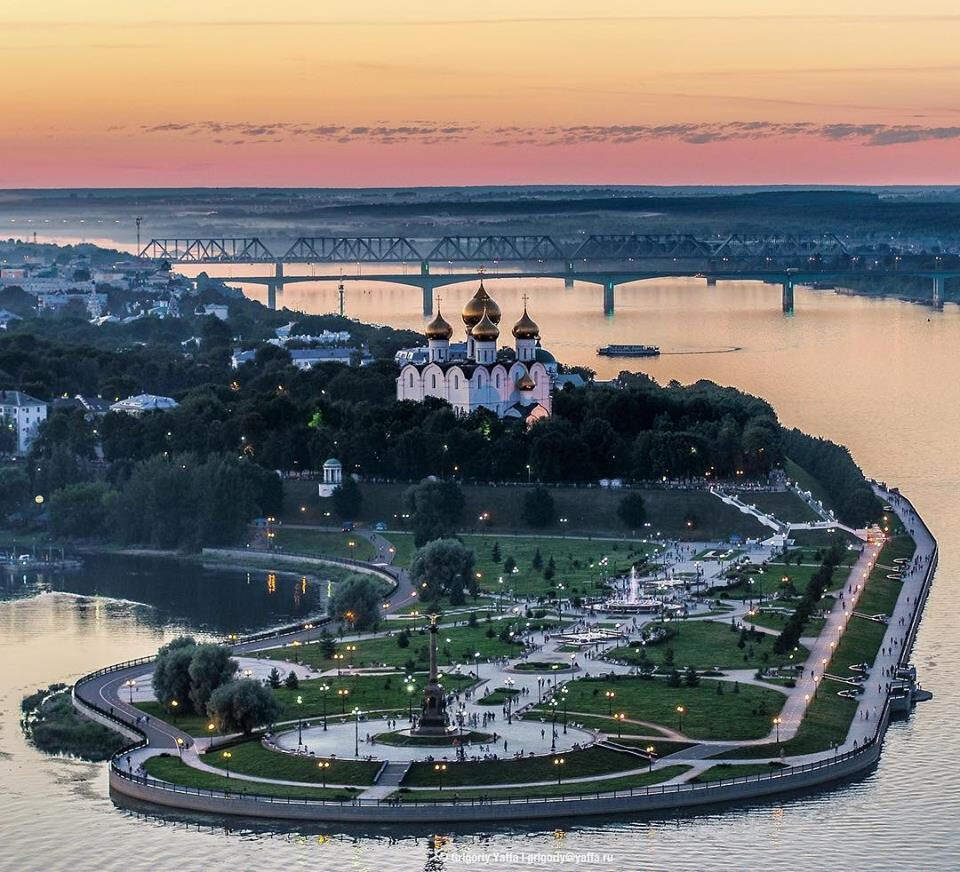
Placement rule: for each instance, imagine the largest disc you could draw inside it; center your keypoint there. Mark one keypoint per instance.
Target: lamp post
(323, 690)
(323, 766)
(180, 747)
(620, 717)
(226, 761)
(299, 720)
(356, 732)
(174, 705)
(553, 725)
(776, 722)
(610, 695)
(476, 663)
(680, 711)
(440, 768)
(409, 686)
(563, 694)
(651, 753)
(131, 683)
(343, 693)
(558, 764)
(509, 682)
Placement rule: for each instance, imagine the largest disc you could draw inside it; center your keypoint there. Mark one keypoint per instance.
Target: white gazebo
(332, 477)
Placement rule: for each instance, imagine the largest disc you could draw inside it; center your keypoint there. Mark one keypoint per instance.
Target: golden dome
(525, 383)
(479, 303)
(526, 327)
(485, 330)
(438, 328)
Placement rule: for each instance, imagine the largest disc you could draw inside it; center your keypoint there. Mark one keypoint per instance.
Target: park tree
(242, 705)
(435, 508)
(274, 679)
(537, 562)
(291, 682)
(550, 569)
(357, 602)
(210, 667)
(444, 566)
(632, 511)
(82, 509)
(347, 499)
(509, 564)
(171, 671)
(14, 488)
(538, 507)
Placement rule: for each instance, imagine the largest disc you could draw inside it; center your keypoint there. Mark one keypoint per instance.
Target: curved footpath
(98, 696)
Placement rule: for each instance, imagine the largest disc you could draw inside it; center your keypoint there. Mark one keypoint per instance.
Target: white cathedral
(469, 376)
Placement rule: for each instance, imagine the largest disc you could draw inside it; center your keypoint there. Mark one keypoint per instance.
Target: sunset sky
(114, 93)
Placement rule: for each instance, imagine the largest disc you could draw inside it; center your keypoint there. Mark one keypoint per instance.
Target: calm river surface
(880, 376)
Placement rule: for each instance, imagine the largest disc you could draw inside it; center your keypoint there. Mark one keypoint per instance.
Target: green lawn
(454, 645)
(589, 511)
(859, 644)
(173, 770)
(880, 595)
(746, 714)
(369, 692)
(318, 543)
(251, 758)
(578, 764)
(499, 696)
(826, 722)
(576, 561)
(777, 578)
(774, 621)
(807, 482)
(723, 771)
(574, 788)
(601, 722)
(783, 505)
(661, 747)
(708, 645)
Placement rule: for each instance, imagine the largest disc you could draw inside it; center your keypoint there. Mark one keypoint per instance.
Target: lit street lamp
(323, 766)
(776, 722)
(323, 689)
(343, 693)
(651, 753)
(440, 768)
(299, 720)
(610, 695)
(226, 761)
(356, 732)
(680, 711)
(558, 763)
(619, 717)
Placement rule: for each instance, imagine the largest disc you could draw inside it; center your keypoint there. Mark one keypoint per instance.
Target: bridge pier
(939, 283)
(608, 297)
(787, 297)
(427, 289)
(568, 278)
(711, 282)
(272, 295)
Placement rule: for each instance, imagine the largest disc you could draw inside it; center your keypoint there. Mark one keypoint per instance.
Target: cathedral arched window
(433, 380)
(498, 379)
(411, 379)
(456, 382)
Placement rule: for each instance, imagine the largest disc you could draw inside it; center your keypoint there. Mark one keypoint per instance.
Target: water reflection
(165, 591)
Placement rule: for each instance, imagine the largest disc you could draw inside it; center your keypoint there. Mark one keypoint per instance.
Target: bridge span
(606, 260)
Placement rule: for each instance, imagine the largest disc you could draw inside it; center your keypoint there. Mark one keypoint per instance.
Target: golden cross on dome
(481, 270)
(439, 298)
(526, 297)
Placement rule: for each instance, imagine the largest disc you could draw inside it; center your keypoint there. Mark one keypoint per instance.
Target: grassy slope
(251, 758)
(589, 510)
(317, 543)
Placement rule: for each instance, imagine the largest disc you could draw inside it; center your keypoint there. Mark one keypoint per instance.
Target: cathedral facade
(512, 385)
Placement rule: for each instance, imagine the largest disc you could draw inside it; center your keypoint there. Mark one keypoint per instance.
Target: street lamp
(323, 766)
(776, 722)
(680, 711)
(558, 763)
(509, 682)
(553, 725)
(356, 732)
(620, 717)
(476, 663)
(226, 761)
(343, 693)
(180, 747)
(409, 686)
(440, 768)
(299, 720)
(610, 695)
(174, 705)
(323, 689)
(651, 753)
(563, 694)
(131, 683)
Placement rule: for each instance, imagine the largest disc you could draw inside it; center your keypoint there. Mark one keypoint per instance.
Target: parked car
(347, 528)
(380, 526)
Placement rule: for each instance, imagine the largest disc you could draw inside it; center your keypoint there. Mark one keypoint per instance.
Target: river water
(878, 375)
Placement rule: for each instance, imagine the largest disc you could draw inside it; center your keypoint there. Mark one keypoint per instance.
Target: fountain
(631, 600)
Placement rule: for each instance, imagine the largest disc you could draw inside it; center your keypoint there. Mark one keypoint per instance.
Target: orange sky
(110, 92)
